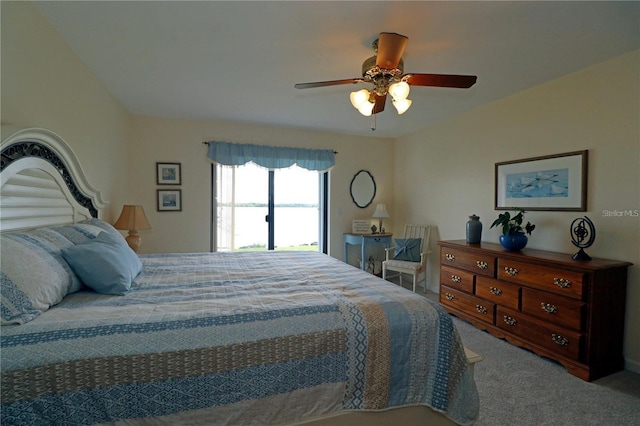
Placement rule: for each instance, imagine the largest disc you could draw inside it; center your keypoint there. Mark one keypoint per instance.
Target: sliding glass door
(254, 208)
(240, 205)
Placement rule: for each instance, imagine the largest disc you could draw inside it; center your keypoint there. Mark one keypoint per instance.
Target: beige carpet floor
(519, 388)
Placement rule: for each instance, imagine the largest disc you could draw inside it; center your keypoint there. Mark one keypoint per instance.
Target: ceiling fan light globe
(401, 105)
(399, 90)
(366, 109)
(359, 98)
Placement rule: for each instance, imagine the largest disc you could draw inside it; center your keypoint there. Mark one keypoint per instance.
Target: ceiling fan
(385, 71)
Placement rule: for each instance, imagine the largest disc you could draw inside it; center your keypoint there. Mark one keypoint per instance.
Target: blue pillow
(408, 249)
(106, 264)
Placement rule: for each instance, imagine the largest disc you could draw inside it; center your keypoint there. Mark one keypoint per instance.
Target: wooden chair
(404, 266)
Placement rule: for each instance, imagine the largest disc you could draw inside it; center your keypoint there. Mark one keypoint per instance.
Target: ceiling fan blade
(379, 106)
(390, 49)
(441, 80)
(328, 83)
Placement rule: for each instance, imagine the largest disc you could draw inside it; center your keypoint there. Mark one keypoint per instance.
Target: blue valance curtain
(272, 157)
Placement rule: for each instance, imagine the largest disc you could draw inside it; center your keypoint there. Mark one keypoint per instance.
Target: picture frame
(361, 226)
(168, 174)
(169, 200)
(552, 183)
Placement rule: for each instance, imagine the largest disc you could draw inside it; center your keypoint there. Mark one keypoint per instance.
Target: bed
(201, 338)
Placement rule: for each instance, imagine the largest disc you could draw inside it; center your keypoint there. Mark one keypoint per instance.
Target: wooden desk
(365, 240)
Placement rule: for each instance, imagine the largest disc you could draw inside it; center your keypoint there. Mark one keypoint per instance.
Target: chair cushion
(397, 265)
(408, 249)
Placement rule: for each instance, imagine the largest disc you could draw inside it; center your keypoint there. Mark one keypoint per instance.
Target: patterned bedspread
(237, 339)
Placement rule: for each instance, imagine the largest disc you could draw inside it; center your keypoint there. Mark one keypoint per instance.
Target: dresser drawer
(555, 339)
(499, 292)
(556, 309)
(559, 281)
(477, 263)
(457, 279)
(480, 309)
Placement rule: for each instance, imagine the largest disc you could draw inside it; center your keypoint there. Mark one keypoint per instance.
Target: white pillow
(104, 226)
(33, 274)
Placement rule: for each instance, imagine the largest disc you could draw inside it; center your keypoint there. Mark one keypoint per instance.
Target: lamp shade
(360, 100)
(381, 211)
(401, 105)
(399, 91)
(132, 218)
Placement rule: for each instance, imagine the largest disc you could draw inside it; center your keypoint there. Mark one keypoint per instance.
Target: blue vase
(474, 230)
(514, 242)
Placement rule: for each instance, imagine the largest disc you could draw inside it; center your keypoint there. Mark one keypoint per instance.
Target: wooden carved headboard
(42, 182)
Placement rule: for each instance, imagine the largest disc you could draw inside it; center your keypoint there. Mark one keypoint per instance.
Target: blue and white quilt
(235, 339)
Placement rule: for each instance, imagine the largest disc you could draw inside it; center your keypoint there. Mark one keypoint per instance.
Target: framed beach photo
(169, 200)
(553, 182)
(168, 173)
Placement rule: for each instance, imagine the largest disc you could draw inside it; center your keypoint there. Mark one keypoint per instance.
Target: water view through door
(241, 207)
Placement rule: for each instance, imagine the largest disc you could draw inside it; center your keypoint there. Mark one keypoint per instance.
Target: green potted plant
(513, 236)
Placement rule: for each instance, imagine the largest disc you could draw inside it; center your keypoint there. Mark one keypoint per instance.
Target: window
(254, 208)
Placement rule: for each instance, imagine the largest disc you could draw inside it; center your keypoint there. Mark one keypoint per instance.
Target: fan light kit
(385, 72)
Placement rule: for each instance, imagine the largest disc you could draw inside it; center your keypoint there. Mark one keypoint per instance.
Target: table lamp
(380, 212)
(132, 218)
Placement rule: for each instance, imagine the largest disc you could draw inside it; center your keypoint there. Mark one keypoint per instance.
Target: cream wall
(597, 109)
(165, 140)
(45, 85)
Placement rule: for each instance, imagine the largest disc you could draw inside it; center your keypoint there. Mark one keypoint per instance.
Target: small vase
(514, 242)
(474, 230)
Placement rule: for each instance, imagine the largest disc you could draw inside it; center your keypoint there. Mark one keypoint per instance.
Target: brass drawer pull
(512, 272)
(548, 308)
(481, 309)
(482, 265)
(495, 291)
(456, 279)
(559, 340)
(510, 320)
(450, 257)
(562, 283)
(449, 296)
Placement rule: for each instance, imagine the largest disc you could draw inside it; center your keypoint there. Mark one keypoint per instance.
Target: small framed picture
(169, 200)
(168, 173)
(361, 226)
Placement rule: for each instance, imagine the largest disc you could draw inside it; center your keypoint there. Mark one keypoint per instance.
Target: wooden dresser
(567, 310)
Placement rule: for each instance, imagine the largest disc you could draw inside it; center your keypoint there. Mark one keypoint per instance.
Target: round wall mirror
(363, 188)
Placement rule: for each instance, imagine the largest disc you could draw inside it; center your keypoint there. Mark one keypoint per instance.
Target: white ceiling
(238, 61)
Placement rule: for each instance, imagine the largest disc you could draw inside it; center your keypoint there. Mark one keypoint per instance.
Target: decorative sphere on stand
(583, 234)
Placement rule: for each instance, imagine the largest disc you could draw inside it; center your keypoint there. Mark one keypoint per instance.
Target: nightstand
(365, 240)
